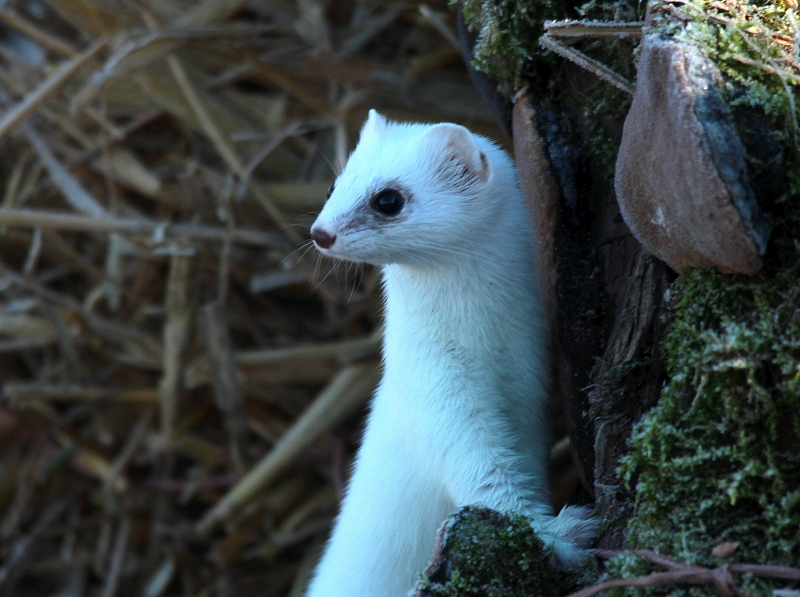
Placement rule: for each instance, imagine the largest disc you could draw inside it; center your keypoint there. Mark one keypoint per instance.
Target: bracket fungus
(681, 177)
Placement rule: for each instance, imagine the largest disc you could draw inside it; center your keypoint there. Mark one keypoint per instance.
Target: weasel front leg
(485, 464)
(384, 535)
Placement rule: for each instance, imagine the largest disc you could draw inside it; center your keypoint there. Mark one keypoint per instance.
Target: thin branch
(582, 60)
(344, 394)
(593, 29)
(28, 218)
(684, 573)
(56, 81)
(20, 23)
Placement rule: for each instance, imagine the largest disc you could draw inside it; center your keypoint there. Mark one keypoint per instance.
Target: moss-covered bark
(718, 459)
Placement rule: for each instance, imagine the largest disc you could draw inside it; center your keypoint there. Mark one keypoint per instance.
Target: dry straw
(175, 358)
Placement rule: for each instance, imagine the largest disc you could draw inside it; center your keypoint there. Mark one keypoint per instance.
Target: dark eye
(330, 190)
(388, 202)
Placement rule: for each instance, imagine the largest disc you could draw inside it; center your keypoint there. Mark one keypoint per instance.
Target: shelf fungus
(681, 177)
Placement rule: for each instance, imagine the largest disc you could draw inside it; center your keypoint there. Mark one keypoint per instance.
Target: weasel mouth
(322, 239)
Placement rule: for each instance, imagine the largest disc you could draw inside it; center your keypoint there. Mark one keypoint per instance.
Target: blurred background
(183, 380)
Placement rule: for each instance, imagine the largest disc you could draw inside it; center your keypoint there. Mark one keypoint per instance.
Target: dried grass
(182, 381)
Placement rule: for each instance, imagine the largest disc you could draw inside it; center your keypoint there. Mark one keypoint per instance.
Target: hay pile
(182, 382)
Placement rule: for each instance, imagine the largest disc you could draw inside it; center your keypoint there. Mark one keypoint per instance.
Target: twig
(176, 485)
(28, 218)
(345, 393)
(66, 343)
(592, 29)
(206, 122)
(37, 97)
(795, 37)
(683, 573)
(224, 376)
(34, 252)
(782, 572)
(225, 213)
(117, 558)
(127, 452)
(438, 23)
(345, 350)
(73, 191)
(692, 577)
(177, 331)
(22, 344)
(14, 180)
(582, 60)
(23, 546)
(76, 393)
(20, 23)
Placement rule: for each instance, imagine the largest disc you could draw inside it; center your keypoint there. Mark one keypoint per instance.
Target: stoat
(461, 415)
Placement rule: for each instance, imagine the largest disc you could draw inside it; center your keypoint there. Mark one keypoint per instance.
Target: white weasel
(461, 413)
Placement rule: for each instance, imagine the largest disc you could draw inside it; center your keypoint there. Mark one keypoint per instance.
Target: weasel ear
(457, 146)
(375, 123)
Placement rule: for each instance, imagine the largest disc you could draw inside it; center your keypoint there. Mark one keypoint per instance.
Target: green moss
(718, 459)
(494, 555)
(507, 47)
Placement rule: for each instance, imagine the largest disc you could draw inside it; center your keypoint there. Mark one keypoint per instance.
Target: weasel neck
(477, 296)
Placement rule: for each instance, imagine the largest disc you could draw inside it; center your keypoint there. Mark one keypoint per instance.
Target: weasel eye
(388, 202)
(330, 190)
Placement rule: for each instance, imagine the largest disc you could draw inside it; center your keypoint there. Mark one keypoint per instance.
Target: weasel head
(410, 194)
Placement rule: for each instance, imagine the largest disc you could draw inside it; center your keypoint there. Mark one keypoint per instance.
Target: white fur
(461, 414)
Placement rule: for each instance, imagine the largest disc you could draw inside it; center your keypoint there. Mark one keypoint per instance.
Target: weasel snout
(322, 239)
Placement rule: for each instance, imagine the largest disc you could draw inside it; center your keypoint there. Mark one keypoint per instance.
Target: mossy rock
(487, 554)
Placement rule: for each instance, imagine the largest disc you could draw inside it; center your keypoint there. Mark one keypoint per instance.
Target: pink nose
(322, 238)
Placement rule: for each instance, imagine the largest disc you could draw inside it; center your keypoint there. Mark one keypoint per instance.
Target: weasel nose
(322, 238)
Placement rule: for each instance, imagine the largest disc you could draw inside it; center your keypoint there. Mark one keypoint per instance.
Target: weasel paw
(568, 533)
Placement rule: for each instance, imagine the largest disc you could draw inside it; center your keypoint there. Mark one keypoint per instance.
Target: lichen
(494, 555)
